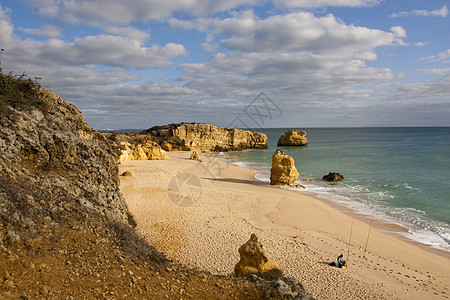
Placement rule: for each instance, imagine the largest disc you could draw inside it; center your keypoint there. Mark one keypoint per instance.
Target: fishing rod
(368, 234)
(350, 240)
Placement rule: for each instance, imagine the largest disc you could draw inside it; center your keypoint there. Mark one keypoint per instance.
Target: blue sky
(318, 63)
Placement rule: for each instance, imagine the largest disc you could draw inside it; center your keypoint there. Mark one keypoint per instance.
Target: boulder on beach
(283, 171)
(332, 176)
(254, 260)
(128, 174)
(195, 156)
(293, 138)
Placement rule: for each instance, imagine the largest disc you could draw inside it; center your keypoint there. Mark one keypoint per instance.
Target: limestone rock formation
(206, 137)
(195, 156)
(52, 164)
(332, 176)
(137, 147)
(293, 138)
(283, 171)
(254, 260)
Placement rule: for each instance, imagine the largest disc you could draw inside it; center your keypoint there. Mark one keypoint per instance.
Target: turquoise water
(400, 175)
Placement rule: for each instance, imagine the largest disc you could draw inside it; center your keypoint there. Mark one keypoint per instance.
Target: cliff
(206, 137)
(293, 138)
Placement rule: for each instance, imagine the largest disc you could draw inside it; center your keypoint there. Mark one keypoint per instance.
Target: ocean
(396, 175)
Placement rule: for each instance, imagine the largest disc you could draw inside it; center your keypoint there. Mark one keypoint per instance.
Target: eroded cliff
(206, 137)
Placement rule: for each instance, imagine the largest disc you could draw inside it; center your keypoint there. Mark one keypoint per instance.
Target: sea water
(399, 175)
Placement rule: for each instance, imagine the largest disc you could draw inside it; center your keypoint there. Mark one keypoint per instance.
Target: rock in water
(254, 260)
(283, 170)
(195, 156)
(333, 177)
(293, 138)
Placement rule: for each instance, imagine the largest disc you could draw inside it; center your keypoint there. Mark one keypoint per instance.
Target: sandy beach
(199, 213)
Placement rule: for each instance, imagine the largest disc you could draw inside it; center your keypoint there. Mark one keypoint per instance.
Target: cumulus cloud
(106, 50)
(302, 31)
(124, 12)
(298, 57)
(47, 30)
(442, 12)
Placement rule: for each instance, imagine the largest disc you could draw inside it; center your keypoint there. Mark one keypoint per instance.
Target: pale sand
(300, 232)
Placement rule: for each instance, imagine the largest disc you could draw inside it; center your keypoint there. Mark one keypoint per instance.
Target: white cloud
(302, 31)
(324, 3)
(426, 89)
(444, 55)
(47, 30)
(421, 44)
(290, 54)
(105, 50)
(124, 12)
(6, 27)
(130, 32)
(442, 12)
(436, 71)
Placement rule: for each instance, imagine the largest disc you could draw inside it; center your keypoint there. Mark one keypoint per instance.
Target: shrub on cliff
(19, 91)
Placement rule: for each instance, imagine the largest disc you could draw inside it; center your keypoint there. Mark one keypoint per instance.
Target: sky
(237, 63)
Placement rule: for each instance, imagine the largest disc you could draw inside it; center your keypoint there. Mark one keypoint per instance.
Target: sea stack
(293, 138)
(283, 170)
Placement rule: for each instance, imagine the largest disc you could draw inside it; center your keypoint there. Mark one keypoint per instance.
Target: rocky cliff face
(283, 171)
(293, 138)
(207, 137)
(52, 162)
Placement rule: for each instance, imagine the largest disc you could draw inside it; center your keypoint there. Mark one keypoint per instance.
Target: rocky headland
(65, 229)
(206, 137)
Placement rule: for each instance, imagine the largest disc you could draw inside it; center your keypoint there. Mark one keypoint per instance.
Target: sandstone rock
(147, 151)
(254, 260)
(195, 156)
(128, 174)
(293, 138)
(206, 137)
(333, 177)
(283, 171)
(53, 164)
(135, 146)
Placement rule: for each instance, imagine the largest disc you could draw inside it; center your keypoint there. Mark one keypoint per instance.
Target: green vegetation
(19, 91)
